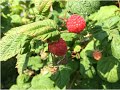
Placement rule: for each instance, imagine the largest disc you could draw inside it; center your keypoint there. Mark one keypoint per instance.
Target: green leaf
(57, 88)
(115, 47)
(14, 2)
(43, 6)
(42, 82)
(110, 22)
(69, 39)
(6, 23)
(106, 31)
(72, 66)
(22, 61)
(62, 77)
(42, 30)
(25, 46)
(104, 13)
(14, 87)
(111, 28)
(47, 33)
(101, 35)
(22, 87)
(39, 17)
(87, 51)
(35, 63)
(34, 28)
(16, 9)
(118, 25)
(16, 19)
(107, 85)
(89, 83)
(108, 69)
(36, 45)
(26, 86)
(22, 82)
(11, 45)
(86, 68)
(22, 79)
(62, 3)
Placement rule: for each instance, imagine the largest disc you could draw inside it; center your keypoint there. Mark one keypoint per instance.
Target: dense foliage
(92, 60)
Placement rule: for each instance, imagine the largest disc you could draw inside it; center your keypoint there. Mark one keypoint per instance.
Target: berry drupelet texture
(58, 48)
(75, 23)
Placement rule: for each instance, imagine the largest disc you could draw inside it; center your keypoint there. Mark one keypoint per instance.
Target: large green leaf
(109, 26)
(115, 47)
(48, 33)
(100, 35)
(42, 82)
(108, 69)
(62, 77)
(86, 68)
(104, 13)
(42, 30)
(34, 29)
(10, 45)
(111, 22)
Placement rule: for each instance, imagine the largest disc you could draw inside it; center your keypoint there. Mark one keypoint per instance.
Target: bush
(92, 60)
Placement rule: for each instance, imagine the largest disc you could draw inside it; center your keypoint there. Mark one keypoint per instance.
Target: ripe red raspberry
(75, 23)
(58, 48)
(97, 55)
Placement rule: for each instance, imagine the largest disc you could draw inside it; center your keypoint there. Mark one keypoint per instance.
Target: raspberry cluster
(74, 24)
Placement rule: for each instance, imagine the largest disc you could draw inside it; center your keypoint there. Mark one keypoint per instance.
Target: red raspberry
(75, 23)
(97, 55)
(58, 48)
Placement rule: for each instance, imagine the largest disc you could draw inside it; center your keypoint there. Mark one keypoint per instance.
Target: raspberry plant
(43, 48)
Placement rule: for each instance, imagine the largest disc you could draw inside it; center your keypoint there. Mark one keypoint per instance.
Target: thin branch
(119, 3)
